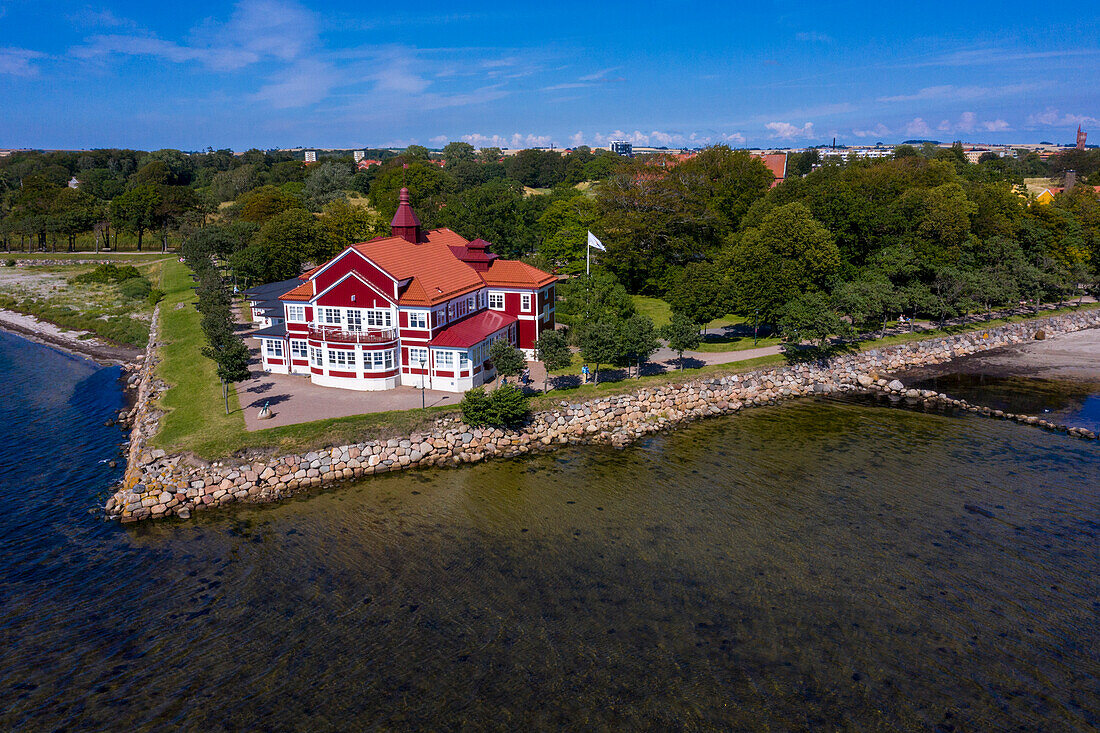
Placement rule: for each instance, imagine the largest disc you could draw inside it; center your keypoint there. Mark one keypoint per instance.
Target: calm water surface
(810, 566)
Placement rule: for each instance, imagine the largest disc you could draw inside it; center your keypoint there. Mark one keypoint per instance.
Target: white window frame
(326, 315)
(494, 298)
(296, 313)
(346, 359)
(525, 302)
(316, 357)
(414, 362)
(445, 360)
(273, 348)
(354, 319)
(463, 360)
(418, 320)
(379, 317)
(380, 361)
(299, 349)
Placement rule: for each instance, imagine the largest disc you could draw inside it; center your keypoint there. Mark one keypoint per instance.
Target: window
(329, 316)
(316, 357)
(380, 360)
(379, 317)
(525, 302)
(496, 301)
(418, 319)
(418, 358)
(341, 358)
(296, 313)
(355, 319)
(470, 304)
(273, 347)
(298, 349)
(463, 360)
(444, 360)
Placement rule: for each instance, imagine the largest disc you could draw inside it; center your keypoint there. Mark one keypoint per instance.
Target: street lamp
(422, 379)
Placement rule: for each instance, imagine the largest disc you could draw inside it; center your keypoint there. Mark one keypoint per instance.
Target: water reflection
(1074, 403)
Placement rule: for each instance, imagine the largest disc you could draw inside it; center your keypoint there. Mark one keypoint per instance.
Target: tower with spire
(405, 223)
(1081, 135)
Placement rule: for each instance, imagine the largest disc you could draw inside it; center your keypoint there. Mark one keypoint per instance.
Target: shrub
(477, 409)
(135, 288)
(108, 273)
(10, 263)
(506, 406)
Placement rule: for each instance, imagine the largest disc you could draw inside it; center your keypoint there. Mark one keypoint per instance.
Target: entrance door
(355, 319)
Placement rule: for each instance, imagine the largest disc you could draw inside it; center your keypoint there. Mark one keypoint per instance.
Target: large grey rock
(895, 386)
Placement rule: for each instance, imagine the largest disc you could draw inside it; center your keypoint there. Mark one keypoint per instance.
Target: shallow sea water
(808, 566)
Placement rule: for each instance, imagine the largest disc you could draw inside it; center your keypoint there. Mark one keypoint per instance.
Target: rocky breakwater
(159, 485)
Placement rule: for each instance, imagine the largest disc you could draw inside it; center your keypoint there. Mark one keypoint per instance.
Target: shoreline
(159, 485)
(50, 334)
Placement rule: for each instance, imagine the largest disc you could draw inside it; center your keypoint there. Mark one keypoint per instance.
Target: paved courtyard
(292, 398)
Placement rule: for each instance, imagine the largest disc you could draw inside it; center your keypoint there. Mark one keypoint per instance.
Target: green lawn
(660, 313)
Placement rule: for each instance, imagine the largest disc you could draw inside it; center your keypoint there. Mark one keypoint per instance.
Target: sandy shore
(1073, 356)
(47, 333)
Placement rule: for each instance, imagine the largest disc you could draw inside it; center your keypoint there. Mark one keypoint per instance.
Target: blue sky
(279, 73)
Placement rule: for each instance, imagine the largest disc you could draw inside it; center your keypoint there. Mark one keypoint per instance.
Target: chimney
(1071, 179)
(405, 224)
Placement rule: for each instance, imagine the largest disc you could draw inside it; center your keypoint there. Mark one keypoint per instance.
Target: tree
(697, 291)
(456, 152)
(135, 210)
(176, 202)
(507, 359)
(507, 406)
(343, 224)
(682, 334)
(279, 248)
(810, 316)
(327, 182)
(265, 202)
(599, 343)
(870, 296)
(637, 340)
(493, 212)
(588, 299)
(427, 185)
(790, 253)
(563, 228)
(489, 155)
(75, 212)
(553, 351)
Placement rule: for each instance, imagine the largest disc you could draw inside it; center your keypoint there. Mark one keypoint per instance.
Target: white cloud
(918, 128)
(997, 125)
(787, 131)
(101, 18)
(517, 140)
(439, 140)
(879, 130)
(967, 121)
(19, 61)
(966, 94)
(1050, 117)
(303, 83)
(813, 37)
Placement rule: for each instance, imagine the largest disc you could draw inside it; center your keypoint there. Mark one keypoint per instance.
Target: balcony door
(355, 319)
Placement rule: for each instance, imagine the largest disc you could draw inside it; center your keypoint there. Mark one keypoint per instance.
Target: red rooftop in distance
(416, 308)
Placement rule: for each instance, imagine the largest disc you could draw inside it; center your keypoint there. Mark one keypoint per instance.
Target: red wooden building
(415, 308)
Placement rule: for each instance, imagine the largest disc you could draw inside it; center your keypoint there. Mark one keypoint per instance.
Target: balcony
(339, 335)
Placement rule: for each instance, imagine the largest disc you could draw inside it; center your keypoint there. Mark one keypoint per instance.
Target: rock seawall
(159, 485)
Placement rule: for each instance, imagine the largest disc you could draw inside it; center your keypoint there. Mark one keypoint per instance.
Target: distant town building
(311, 156)
(365, 163)
(1081, 135)
(777, 164)
(621, 147)
(359, 155)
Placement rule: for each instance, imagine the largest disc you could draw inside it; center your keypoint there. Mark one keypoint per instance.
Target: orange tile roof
(513, 273)
(776, 163)
(305, 291)
(436, 274)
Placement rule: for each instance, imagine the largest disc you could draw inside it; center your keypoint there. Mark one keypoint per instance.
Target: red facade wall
(352, 261)
(340, 296)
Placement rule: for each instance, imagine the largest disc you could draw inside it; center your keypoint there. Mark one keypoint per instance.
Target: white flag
(593, 242)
